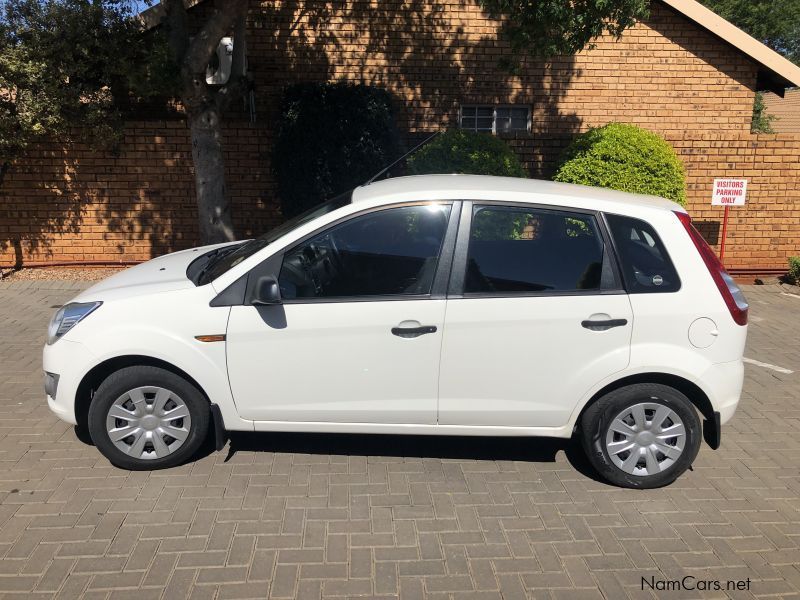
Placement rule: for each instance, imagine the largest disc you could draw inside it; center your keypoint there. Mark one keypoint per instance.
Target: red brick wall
(763, 233)
(70, 204)
(766, 231)
(667, 74)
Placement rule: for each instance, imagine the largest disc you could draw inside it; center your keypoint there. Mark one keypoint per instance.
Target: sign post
(727, 193)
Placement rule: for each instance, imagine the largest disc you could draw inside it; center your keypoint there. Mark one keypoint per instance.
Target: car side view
(436, 304)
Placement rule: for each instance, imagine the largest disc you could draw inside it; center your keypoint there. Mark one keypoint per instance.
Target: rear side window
(646, 266)
(530, 250)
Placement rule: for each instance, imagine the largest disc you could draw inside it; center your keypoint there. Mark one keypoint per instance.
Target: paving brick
(449, 525)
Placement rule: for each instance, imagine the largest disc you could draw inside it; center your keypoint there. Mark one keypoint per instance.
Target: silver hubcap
(645, 439)
(148, 422)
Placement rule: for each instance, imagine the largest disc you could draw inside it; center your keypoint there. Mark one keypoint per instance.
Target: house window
(496, 119)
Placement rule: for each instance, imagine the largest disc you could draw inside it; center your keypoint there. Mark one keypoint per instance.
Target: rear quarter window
(644, 260)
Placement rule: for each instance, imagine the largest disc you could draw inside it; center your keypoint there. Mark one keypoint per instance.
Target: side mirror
(267, 292)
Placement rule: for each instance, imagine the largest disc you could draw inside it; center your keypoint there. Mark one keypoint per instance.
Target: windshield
(225, 261)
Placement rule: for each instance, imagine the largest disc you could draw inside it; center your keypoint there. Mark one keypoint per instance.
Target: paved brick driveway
(311, 516)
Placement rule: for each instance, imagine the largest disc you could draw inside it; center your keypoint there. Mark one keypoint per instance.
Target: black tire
(129, 378)
(597, 418)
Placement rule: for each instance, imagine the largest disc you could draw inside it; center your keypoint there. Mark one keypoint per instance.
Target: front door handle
(602, 325)
(412, 332)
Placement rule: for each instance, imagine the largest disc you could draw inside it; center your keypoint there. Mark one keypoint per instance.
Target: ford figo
(442, 305)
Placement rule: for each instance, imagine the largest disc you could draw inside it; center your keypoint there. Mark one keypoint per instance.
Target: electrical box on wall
(219, 68)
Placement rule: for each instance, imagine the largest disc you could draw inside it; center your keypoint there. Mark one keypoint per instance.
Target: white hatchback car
(442, 304)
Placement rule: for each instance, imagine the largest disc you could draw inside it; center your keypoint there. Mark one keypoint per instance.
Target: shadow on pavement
(526, 449)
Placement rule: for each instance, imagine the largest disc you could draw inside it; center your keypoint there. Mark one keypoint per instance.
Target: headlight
(67, 317)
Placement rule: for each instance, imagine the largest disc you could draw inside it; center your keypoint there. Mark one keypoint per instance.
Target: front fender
(202, 361)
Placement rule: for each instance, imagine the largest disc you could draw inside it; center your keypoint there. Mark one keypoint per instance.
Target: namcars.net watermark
(691, 583)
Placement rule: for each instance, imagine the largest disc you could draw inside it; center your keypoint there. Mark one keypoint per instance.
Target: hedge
(627, 158)
(461, 151)
(330, 137)
(794, 269)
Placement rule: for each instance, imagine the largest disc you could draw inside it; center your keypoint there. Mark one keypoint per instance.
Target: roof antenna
(409, 153)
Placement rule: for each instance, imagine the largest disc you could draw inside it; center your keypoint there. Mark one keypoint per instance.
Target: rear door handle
(604, 324)
(412, 332)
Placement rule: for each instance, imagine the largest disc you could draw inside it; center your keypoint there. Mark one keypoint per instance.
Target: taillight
(731, 293)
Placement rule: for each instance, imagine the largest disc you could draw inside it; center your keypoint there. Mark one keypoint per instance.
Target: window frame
(611, 279)
(494, 108)
(272, 265)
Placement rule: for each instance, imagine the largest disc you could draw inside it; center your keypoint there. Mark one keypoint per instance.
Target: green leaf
(69, 66)
(546, 28)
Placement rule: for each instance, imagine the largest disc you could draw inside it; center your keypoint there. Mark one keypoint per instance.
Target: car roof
(513, 189)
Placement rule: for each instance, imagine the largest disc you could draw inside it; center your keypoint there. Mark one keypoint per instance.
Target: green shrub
(330, 137)
(761, 121)
(460, 151)
(626, 158)
(794, 269)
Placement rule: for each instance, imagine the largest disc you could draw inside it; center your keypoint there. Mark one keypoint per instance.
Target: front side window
(531, 250)
(391, 252)
(646, 266)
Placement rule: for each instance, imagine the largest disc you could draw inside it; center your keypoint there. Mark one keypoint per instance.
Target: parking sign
(729, 192)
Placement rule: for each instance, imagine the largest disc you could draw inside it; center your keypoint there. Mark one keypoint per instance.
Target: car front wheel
(145, 417)
(641, 436)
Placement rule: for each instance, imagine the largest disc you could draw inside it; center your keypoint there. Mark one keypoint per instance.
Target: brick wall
(766, 231)
(667, 74)
(70, 204)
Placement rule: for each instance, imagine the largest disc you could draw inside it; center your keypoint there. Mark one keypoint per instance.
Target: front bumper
(69, 361)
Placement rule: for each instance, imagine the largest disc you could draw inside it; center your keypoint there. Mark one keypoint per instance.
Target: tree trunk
(213, 205)
(204, 105)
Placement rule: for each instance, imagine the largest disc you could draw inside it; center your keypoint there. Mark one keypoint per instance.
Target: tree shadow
(157, 208)
(141, 202)
(63, 190)
(436, 64)
(429, 61)
(41, 197)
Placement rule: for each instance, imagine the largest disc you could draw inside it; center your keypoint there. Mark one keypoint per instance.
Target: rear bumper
(723, 382)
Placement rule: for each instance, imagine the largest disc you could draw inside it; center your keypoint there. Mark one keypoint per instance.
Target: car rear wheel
(145, 417)
(641, 436)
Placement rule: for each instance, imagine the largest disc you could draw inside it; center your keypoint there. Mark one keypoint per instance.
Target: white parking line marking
(790, 295)
(758, 363)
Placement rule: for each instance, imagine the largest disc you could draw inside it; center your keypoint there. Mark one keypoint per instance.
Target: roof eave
(775, 72)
